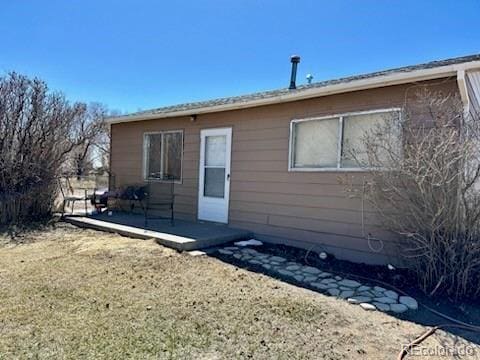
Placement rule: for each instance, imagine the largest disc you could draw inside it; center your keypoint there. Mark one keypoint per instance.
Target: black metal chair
(160, 198)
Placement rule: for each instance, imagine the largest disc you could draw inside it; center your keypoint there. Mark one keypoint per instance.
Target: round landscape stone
(381, 306)
(288, 263)
(368, 306)
(398, 308)
(311, 270)
(319, 285)
(359, 299)
(225, 252)
(328, 281)
(292, 267)
(250, 252)
(324, 274)
(346, 294)
(409, 302)
(391, 294)
(278, 259)
(286, 272)
(364, 288)
(333, 292)
(299, 277)
(378, 293)
(349, 283)
(385, 300)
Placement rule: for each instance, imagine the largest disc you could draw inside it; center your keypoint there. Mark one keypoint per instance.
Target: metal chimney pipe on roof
(295, 59)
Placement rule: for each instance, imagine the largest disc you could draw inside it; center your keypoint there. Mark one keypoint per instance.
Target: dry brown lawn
(69, 293)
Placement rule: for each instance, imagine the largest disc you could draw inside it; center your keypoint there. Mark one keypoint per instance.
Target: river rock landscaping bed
(367, 297)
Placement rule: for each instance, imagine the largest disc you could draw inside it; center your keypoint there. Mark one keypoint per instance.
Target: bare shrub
(423, 180)
(39, 130)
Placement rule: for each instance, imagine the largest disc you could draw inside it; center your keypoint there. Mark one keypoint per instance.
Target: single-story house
(269, 162)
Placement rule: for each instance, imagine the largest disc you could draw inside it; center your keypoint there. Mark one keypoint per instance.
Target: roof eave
(355, 85)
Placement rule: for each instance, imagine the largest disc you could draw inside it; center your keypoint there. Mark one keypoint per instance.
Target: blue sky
(135, 55)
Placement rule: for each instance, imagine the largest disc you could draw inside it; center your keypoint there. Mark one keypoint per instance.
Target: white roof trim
(354, 85)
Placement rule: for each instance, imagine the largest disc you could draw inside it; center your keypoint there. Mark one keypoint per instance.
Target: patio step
(183, 236)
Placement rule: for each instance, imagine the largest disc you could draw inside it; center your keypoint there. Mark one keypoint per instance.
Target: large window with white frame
(334, 142)
(162, 155)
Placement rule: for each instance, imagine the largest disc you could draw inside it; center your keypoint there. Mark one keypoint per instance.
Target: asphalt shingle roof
(300, 88)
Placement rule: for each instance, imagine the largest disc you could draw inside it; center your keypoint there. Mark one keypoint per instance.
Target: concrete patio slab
(183, 235)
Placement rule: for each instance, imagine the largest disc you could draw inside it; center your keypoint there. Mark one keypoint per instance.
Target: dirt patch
(71, 293)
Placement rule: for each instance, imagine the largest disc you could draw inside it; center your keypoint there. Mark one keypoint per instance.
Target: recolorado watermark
(462, 351)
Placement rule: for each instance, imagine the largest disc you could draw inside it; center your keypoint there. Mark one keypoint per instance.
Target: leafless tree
(92, 152)
(424, 182)
(39, 131)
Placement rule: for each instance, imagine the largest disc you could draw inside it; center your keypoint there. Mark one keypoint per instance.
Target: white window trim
(145, 155)
(338, 168)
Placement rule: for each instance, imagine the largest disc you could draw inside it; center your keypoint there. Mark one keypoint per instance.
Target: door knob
(228, 176)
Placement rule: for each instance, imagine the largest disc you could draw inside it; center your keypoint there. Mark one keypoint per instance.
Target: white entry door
(214, 177)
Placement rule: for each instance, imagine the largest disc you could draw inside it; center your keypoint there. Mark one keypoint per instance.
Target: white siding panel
(473, 88)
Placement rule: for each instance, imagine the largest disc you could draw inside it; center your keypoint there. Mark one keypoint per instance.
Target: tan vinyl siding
(306, 209)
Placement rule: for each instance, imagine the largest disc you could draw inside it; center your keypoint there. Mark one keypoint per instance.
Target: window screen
(355, 130)
(316, 143)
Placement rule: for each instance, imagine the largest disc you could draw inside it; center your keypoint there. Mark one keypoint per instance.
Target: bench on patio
(152, 198)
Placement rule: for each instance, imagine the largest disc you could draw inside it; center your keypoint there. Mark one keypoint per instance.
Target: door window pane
(316, 143)
(214, 182)
(215, 149)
